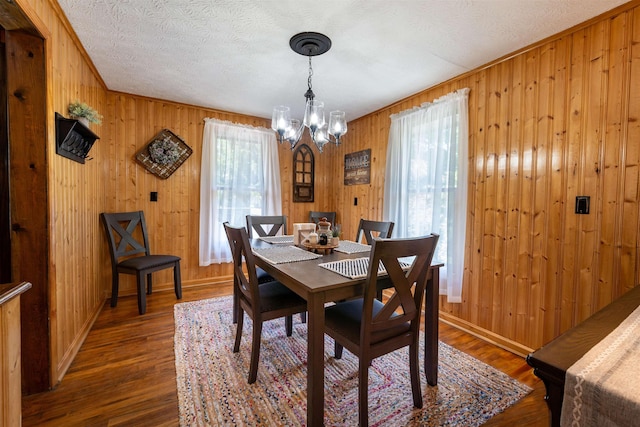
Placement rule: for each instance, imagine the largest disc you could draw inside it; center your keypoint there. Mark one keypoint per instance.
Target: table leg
(431, 327)
(315, 361)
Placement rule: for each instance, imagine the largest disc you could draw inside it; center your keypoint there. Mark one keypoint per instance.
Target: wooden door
(5, 233)
(26, 91)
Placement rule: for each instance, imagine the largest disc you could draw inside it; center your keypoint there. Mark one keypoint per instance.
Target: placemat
(284, 254)
(349, 247)
(278, 240)
(355, 268)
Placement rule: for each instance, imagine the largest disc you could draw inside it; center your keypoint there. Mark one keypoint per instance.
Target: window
(426, 181)
(240, 176)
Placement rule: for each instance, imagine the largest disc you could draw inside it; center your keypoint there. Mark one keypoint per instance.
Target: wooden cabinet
(10, 363)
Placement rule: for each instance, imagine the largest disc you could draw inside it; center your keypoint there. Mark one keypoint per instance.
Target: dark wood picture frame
(163, 171)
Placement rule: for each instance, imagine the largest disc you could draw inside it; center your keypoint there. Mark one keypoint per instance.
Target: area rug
(213, 389)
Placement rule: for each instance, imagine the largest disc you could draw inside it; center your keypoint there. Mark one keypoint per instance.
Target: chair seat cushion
(148, 261)
(275, 296)
(345, 318)
(263, 276)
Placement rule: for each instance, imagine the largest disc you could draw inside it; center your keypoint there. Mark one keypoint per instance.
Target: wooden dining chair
(255, 225)
(370, 328)
(130, 254)
(274, 223)
(261, 302)
(315, 216)
(370, 229)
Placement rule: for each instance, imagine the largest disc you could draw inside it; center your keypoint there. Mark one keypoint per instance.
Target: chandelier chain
(310, 74)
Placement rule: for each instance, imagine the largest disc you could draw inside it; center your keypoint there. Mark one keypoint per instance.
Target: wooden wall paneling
(476, 212)
(541, 277)
(488, 127)
(498, 130)
(514, 93)
(544, 116)
(557, 190)
(614, 153)
(609, 169)
(630, 257)
(294, 210)
(190, 270)
(524, 249)
(575, 166)
(375, 188)
(500, 321)
(10, 363)
(593, 161)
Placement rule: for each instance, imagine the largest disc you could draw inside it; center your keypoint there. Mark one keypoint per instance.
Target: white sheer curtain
(426, 180)
(240, 175)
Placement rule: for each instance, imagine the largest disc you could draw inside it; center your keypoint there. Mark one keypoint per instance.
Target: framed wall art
(357, 167)
(164, 154)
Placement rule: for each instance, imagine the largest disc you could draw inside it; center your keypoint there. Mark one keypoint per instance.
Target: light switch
(582, 205)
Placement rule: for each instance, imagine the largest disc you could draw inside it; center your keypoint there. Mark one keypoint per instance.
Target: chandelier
(290, 130)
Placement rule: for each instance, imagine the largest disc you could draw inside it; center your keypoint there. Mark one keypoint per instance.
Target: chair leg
(288, 325)
(363, 391)
(236, 345)
(255, 350)
(303, 317)
(177, 283)
(337, 350)
(414, 370)
(236, 302)
(114, 288)
(149, 284)
(142, 300)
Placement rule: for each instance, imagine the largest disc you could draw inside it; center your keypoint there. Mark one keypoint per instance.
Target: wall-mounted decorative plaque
(164, 154)
(357, 167)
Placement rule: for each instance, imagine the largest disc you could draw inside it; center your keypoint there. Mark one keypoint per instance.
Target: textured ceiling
(234, 55)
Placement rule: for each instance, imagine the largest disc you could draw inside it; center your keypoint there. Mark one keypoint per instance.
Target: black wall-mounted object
(582, 205)
(73, 139)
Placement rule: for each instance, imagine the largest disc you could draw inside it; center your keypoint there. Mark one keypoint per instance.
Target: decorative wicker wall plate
(164, 171)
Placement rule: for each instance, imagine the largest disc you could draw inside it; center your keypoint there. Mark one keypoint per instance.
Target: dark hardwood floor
(124, 374)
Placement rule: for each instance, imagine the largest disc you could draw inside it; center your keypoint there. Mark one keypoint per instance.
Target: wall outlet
(154, 196)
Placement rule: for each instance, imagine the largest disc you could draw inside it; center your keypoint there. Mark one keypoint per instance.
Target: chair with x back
(370, 328)
(274, 223)
(315, 216)
(370, 229)
(130, 254)
(261, 302)
(255, 228)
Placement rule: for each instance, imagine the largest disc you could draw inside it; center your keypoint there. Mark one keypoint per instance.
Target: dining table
(319, 286)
